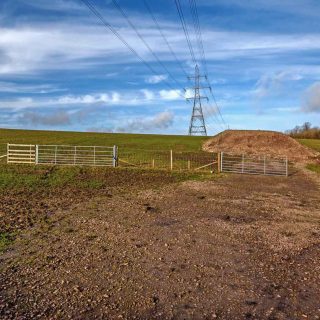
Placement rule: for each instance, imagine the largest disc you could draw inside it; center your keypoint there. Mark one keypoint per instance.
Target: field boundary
(146, 159)
(62, 155)
(260, 165)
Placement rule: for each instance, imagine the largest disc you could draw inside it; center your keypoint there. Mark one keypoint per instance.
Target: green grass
(311, 143)
(5, 240)
(32, 177)
(314, 167)
(122, 140)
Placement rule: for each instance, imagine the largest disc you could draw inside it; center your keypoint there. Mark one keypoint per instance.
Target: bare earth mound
(256, 142)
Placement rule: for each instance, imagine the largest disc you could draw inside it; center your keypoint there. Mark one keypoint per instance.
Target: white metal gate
(253, 165)
(63, 155)
(21, 153)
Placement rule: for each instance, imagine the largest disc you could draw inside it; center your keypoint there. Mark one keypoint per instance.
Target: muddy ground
(236, 247)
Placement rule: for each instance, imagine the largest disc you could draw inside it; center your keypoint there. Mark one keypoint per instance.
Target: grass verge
(311, 143)
(314, 167)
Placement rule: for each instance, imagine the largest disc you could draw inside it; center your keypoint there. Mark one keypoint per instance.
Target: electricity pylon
(197, 124)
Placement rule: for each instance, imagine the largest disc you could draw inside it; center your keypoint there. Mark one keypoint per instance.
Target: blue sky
(61, 70)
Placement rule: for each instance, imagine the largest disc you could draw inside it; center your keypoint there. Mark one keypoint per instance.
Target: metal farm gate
(63, 155)
(21, 153)
(262, 165)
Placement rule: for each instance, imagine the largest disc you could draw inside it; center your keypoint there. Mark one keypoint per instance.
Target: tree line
(305, 131)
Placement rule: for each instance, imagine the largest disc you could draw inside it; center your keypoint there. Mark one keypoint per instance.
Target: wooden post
(189, 165)
(219, 162)
(153, 163)
(171, 160)
(115, 156)
(286, 166)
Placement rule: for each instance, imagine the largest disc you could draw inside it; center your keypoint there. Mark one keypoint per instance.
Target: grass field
(314, 167)
(311, 143)
(122, 140)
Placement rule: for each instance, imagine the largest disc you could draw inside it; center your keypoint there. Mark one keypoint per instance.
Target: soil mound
(256, 142)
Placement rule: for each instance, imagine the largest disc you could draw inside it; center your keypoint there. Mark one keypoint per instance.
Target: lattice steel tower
(197, 124)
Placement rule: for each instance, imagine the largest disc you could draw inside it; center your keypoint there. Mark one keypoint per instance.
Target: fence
(147, 159)
(253, 165)
(62, 155)
(76, 155)
(21, 153)
(168, 160)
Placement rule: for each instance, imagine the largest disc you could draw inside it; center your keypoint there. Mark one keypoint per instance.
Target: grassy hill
(122, 140)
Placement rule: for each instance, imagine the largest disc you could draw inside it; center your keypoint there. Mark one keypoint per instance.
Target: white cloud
(161, 120)
(80, 44)
(52, 119)
(312, 98)
(170, 94)
(149, 95)
(157, 78)
(129, 98)
(11, 87)
(272, 84)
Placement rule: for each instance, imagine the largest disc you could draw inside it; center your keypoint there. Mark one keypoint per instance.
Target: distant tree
(306, 126)
(306, 131)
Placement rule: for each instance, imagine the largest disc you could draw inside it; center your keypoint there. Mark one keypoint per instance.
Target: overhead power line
(194, 12)
(216, 104)
(197, 29)
(123, 13)
(118, 35)
(164, 37)
(185, 30)
(198, 32)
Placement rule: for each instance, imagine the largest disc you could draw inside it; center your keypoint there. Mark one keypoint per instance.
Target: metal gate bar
(21, 153)
(63, 155)
(253, 165)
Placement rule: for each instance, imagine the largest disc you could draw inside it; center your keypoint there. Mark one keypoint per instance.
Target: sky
(61, 69)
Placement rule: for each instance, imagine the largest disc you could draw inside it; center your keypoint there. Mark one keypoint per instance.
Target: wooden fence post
(171, 160)
(219, 162)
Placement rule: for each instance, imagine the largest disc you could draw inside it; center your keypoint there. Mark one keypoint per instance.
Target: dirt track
(240, 247)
